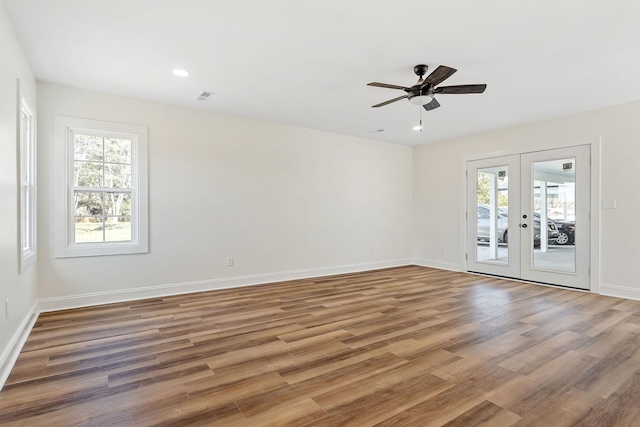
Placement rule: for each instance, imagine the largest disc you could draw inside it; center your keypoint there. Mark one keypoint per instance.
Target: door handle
(524, 225)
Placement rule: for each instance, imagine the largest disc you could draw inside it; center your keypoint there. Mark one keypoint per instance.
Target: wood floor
(407, 346)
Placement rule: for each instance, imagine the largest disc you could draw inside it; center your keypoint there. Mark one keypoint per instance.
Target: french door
(528, 216)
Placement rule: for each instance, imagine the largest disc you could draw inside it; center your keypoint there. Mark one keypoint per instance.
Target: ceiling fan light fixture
(421, 100)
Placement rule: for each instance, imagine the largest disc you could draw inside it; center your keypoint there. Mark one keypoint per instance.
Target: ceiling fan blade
(461, 89)
(388, 86)
(440, 74)
(432, 105)
(389, 101)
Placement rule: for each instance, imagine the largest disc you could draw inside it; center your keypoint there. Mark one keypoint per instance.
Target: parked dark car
(566, 232)
(552, 232)
(502, 232)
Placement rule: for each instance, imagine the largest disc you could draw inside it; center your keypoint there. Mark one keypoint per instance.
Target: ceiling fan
(422, 93)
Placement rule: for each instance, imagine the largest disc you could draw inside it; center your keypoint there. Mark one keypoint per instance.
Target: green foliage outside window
(483, 193)
(102, 170)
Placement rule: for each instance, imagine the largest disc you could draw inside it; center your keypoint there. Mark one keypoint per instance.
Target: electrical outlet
(6, 309)
(372, 250)
(441, 249)
(230, 261)
(609, 204)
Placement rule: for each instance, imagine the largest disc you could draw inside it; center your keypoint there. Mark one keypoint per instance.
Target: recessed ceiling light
(180, 73)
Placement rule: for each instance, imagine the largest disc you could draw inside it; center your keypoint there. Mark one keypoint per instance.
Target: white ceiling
(306, 63)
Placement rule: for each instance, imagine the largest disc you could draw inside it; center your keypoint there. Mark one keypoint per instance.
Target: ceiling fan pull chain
(420, 109)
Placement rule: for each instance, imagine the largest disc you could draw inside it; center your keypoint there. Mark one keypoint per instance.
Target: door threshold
(532, 282)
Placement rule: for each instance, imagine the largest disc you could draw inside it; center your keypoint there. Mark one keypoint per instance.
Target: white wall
(437, 188)
(283, 201)
(19, 288)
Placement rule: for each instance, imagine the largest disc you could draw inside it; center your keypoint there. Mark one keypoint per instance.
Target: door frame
(595, 143)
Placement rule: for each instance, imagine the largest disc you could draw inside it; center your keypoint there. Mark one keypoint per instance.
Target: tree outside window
(102, 189)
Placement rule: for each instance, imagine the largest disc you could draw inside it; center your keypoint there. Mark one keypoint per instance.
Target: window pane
(87, 174)
(88, 204)
(117, 150)
(118, 229)
(554, 198)
(117, 176)
(118, 204)
(86, 147)
(88, 230)
(492, 220)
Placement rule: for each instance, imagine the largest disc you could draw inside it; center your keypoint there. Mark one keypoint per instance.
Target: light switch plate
(609, 204)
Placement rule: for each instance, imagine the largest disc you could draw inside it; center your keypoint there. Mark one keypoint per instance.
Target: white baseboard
(451, 266)
(108, 297)
(619, 291)
(10, 353)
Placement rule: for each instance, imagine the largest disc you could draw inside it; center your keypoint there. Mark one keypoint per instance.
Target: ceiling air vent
(204, 95)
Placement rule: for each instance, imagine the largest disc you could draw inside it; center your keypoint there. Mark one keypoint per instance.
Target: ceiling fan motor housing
(418, 89)
(420, 70)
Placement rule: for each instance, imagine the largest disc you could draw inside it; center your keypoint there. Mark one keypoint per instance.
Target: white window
(102, 188)
(27, 166)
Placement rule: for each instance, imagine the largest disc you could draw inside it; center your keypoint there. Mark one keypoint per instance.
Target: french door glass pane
(492, 215)
(554, 203)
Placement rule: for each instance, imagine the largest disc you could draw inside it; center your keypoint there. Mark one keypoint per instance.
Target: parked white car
(502, 231)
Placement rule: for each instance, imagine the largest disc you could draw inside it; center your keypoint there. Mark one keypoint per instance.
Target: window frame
(27, 182)
(64, 130)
